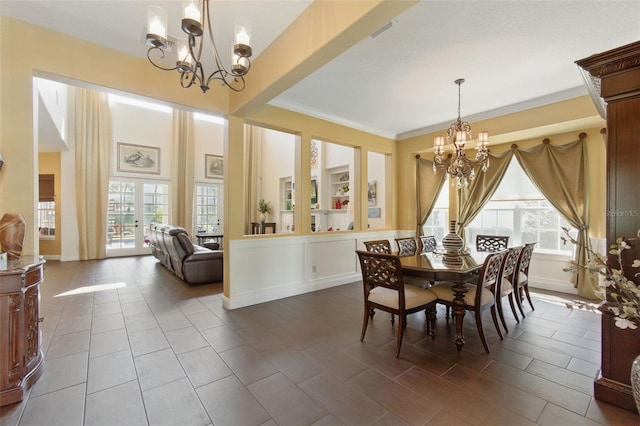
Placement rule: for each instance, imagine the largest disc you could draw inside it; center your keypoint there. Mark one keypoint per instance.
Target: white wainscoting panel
(270, 268)
(266, 268)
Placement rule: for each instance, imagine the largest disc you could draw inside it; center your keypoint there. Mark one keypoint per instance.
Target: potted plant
(264, 207)
(619, 291)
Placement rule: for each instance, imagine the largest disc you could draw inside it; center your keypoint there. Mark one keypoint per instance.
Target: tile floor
(156, 351)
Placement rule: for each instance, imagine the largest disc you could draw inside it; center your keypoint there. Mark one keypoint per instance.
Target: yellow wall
(310, 128)
(560, 122)
(26, 51)
(49, 163)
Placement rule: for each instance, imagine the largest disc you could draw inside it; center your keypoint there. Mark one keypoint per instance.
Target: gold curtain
(561, 173)
(253, 139)
(428, 186)
(481, 189)
(92, 142)
(182, 161)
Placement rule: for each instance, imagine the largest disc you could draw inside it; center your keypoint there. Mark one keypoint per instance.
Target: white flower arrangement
(623, 294)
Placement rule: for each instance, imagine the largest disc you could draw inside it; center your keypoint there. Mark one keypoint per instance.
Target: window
(519, 210)
(437, 223)
(46, 206)
(47, 219)
(207, 213)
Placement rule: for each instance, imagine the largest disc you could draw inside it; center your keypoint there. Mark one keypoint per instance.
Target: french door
(208, 208)
(133, 205)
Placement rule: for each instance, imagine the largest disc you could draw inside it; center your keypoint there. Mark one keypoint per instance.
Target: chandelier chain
(460, 168)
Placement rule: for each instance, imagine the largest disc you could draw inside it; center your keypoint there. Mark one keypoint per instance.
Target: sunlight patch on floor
(92, 289)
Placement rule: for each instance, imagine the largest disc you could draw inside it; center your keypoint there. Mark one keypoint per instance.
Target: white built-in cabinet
(339, 189)
(329, 206)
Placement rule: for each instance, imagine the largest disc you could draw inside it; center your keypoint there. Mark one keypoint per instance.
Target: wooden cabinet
(616, 73)
(20, 352)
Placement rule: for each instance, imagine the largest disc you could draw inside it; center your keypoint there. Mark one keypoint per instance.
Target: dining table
(439, 266)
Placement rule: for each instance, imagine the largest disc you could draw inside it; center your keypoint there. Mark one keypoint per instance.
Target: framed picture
(372, 193)
(138, 159)
(213, 166)
(374, 213)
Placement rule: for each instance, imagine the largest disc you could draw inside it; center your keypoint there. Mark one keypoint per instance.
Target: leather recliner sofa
(192, 263)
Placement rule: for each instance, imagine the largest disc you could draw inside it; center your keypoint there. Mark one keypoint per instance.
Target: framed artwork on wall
(372, 197)
(138, 159)
(374, 213)
(213, 166)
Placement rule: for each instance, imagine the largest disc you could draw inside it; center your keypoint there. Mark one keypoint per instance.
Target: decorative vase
(635, 381)
(452, 242)
(262, 218)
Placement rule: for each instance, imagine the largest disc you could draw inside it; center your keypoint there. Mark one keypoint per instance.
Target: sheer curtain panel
(428, 186)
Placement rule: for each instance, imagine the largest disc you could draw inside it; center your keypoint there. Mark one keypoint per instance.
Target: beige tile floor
(156, 351)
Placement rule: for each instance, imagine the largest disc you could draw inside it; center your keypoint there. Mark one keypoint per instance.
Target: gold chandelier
(459, 167)
(195, 21)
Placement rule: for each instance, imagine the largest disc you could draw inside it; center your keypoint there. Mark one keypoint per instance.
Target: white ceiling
(513, 54)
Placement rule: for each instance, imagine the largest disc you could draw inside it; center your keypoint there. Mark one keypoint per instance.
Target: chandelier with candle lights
(460, 168)
(195, 22)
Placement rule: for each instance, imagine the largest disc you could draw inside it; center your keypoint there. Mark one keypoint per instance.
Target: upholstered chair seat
(444, 291)
(413, 297)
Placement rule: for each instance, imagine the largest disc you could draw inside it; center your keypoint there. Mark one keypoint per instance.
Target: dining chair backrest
(380, 270)
(429, 243)
(525, 258)
(378, 246)
(407, 246)
(489, 275)
(510, 262)
(491, 242)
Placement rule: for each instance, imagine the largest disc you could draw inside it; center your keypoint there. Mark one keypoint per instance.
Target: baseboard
(557, 286)
(69, 258)
(268, 295)
(614, 393)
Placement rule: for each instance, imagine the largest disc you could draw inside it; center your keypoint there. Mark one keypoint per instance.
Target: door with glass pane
(208, 209)
(133, 205)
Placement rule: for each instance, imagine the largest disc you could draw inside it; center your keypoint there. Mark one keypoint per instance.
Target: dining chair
(384, 289)
(505, 283)
(407, 246)
(491, 242)
(522, 271)
(428, 242)
(480, 297)
(378, 246)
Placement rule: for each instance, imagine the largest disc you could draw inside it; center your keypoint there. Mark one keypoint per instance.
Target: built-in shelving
(340, 189)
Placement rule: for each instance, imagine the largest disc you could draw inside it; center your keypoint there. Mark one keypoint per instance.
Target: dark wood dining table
(436, 266)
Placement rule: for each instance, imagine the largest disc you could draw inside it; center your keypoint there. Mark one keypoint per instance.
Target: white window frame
(517, 206)
(46, 220)
(208, 227)
(439, 215)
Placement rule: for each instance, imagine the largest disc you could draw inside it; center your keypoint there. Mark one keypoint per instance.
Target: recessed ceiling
(400, 83)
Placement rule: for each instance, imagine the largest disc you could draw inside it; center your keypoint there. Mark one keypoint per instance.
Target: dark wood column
(616, 73)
